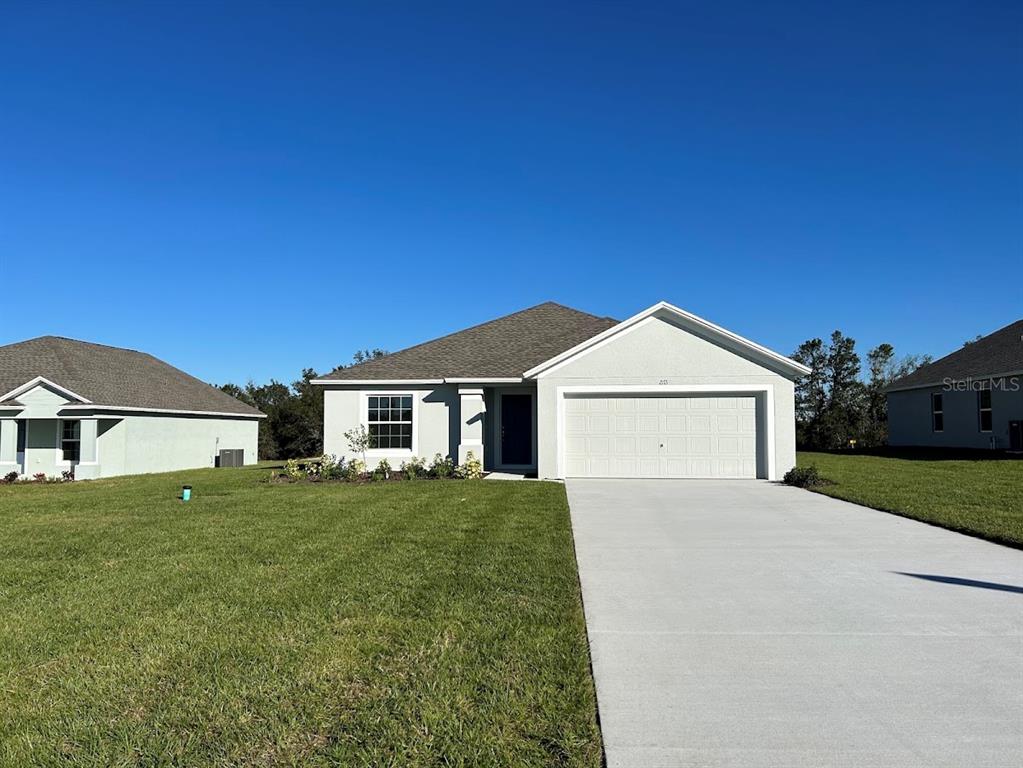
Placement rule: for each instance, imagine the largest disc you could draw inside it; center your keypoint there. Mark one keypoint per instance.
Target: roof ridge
(983, 356)
(966, 344)
(471, 328)
(118, 376)
(56, 337)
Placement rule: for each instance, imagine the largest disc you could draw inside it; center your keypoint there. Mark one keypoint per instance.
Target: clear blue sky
(247, 189)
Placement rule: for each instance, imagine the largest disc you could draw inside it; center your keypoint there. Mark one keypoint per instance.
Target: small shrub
(68, 475)
(805, 477)
(359, 440)
(10, 477)
(293, 471)
(353, 470)
(383, 470)
(413, 468)
(330, 467)
(39, 477)
(471, 469)
(441, 466)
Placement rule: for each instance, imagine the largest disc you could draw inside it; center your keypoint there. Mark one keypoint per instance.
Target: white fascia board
(382, 382)
(489, 380)
(133, 409)
(42, 381)
(408, 382)
(687, 317)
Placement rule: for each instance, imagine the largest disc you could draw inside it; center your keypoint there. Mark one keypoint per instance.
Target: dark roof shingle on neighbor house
(502, 348)
(997, 353)
(111, 376)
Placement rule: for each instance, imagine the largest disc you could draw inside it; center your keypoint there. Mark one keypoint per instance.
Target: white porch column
(471, 420)
(88, 465)
(9, 446)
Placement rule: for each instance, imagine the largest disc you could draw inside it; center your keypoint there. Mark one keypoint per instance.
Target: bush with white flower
(471, 468)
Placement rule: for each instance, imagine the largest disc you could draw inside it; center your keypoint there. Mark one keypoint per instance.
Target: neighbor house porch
(48, 446)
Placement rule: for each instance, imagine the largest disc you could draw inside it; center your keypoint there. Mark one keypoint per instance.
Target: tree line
(838, 401)
(293, 427)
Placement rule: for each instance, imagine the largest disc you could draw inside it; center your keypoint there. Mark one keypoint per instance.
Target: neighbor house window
(71, 440)
(984, 409)
(937, 413)
(390, 421)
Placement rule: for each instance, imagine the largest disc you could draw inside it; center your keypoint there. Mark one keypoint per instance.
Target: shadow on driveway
(963, 582)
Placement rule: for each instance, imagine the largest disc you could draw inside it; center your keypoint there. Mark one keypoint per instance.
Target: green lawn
(983, 497)
(405, 624)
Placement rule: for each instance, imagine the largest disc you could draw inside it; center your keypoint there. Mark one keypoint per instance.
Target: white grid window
(71, 440)
(937, 413)
(390, 421)
(984, 409)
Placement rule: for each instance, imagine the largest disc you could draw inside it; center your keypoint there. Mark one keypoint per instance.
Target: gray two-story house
(972, 398)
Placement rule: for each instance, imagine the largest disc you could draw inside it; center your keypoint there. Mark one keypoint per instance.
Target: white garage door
(663, 436)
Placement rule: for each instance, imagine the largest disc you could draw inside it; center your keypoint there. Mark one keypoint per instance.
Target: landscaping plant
(804, 477)
(330, 467)
(383, 470)
(441, 466)
(353, 470)
(471, 469)
(359, 440)
(293, 471)
(413, 468)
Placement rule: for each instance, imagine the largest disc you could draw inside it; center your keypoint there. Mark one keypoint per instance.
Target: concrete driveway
(740, 623)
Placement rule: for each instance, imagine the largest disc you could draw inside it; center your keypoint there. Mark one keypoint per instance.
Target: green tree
(293, 427)
(883, 368)
(829, 399)
(811, 392)
(843, 415)
(875, 415)
(364, 355)
(309, 407)
(834, 404)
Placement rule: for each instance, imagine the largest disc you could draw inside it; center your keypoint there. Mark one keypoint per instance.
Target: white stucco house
(561, 393)
(972, 398)
(104, 411)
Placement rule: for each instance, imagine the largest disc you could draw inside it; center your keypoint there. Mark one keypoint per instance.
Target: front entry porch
(498, 424)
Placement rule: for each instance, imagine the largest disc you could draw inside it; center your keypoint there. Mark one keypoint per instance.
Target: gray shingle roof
(111, 376)
(502, 348)
(998, 352)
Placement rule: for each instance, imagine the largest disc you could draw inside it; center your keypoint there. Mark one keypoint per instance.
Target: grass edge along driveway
(981, 497)
(404, 624)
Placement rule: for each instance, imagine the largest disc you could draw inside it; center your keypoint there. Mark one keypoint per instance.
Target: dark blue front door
(517, 429)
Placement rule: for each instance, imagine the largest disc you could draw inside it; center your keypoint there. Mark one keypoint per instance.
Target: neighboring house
(972, 398)
(104, 411)
(562, 393)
